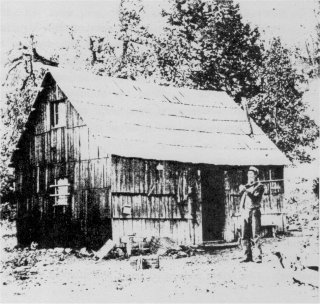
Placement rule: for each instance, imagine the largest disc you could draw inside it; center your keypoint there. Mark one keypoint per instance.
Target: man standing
(251, 216)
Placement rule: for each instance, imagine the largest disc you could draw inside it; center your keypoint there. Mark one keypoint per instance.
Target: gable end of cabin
(61, 184)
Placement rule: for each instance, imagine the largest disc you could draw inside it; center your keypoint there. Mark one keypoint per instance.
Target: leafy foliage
(279, 110)
(311, 55)
(209, 44)
(19, 89)
(25, 69)
(127, 51)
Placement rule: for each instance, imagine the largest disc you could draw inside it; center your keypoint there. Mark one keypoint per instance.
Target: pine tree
(209, 45)
(279, 110)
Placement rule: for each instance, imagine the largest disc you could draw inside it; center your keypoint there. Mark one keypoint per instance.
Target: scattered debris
(181, 254)
(119, 252)
(300, 273)
(83, 253)
(146, 262)
(105, 249)
(160, 245)
(67, 250)
(58, 250)
(135, 245)
(25, 262)
(307, 276)
(33, 246)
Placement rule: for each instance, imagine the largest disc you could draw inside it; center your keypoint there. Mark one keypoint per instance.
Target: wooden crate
(146, 262)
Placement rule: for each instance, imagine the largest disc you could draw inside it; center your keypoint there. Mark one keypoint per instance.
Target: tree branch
(12, 69)
(24, 83)
(39, 58)
(14, 60)
(93, 52)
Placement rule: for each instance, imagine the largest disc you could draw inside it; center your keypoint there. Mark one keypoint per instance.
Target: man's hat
(254, 169)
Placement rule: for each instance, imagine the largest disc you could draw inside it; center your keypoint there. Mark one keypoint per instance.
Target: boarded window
(60, 192)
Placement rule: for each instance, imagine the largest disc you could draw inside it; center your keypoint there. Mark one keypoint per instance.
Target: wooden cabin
(103, 158)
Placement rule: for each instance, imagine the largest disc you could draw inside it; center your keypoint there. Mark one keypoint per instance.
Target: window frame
(56, 195)
(56, 118)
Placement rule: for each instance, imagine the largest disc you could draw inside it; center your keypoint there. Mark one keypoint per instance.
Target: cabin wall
(67, 152)
(151, 202)
(169, 202)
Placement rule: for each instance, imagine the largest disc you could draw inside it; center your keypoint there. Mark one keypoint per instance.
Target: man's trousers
(251, 235)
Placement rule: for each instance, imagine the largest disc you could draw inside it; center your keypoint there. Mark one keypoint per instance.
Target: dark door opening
(213, 203)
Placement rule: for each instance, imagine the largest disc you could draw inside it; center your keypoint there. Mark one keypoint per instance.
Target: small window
(54, 114)
(276, 173)
(60, 192)
(19, 180)
(57, 114)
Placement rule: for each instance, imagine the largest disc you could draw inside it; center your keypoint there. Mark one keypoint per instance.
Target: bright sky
(292, 20)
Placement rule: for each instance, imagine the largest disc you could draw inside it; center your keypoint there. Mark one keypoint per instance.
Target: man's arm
(242, 188)
(256, 191)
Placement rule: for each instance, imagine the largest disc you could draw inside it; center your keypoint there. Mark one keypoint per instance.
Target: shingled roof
(135, 119)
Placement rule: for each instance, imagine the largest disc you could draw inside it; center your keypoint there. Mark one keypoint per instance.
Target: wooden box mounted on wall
(126, 210)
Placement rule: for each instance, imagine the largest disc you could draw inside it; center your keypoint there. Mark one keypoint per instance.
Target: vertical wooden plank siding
(152, 196)
(50, 153)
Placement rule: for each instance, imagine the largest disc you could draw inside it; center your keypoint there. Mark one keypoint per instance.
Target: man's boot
(247, 251)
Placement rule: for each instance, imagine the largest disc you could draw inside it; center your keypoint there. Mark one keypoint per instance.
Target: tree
(279, 110)
(24, 72)
(312, 57)
(209, 44)
(136, 59)
(128, 50)
(308, 54)
(19, 90)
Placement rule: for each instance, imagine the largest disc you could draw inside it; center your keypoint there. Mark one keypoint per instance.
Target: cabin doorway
(213, 203)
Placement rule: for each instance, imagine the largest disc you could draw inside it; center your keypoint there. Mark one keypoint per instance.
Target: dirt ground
(215, 276)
